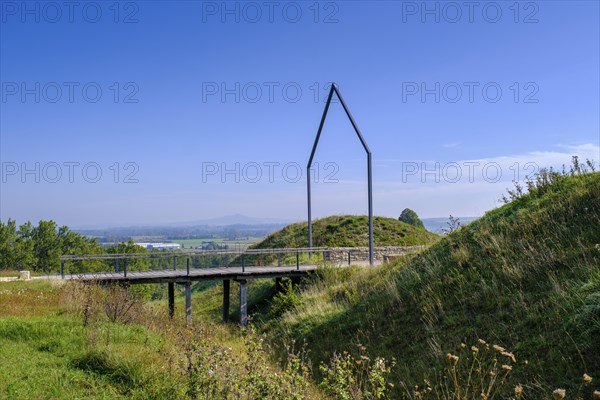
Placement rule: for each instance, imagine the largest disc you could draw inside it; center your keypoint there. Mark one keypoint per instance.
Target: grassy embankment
(87, 342)
(526, 276)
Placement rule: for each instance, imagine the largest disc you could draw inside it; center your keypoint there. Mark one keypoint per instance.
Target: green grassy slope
(525, 276)
(348, 231)
(46, 353)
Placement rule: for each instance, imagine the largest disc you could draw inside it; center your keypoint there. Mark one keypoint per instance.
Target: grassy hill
(348, 231)
(526, 277)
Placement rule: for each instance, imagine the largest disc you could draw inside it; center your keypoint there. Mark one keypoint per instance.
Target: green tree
(410, 217)
(24, 251)
(8, 244)
(47, 246)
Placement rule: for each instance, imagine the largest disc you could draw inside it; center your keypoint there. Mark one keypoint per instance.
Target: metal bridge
(185, 267)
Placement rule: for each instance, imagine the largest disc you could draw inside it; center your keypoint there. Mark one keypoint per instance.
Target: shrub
(287, 299)
(410, 217)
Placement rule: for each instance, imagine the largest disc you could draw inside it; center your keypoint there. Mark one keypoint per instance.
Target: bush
(287, 299)
(410, 217)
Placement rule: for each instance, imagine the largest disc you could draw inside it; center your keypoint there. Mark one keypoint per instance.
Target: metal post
(369, 168)
(125, 268)
(188, 265)
(174, 263)
(329, 96)
(171, 296)
(243, 302)
(188, 302)
(226, 287)
(243, 263)
(370, 190)
(62, 269)
(349, 257)
(297, 260)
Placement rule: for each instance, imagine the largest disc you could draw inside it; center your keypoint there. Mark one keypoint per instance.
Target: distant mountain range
(235, 219)
(436, 225)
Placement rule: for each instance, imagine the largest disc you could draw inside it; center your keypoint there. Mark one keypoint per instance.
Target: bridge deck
(195, 274)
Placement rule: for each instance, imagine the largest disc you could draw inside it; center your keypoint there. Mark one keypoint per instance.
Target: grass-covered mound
(526, 276)
(348, 231)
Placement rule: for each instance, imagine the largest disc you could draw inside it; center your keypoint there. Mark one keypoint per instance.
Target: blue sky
(454, 102)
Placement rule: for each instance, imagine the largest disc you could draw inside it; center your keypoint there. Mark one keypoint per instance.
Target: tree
(410, 217)
(25, 257)
(8, 244)
(47, 246)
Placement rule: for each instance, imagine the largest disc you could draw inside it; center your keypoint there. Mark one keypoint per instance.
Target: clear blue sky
(211, 84)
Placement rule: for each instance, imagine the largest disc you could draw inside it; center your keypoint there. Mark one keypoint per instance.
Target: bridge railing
(186, 260)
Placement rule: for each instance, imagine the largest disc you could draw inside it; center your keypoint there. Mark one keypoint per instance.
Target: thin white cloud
(451, 145)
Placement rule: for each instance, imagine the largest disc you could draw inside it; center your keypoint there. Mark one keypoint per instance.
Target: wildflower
(499, 349)
(559, 394)
(506, 368)
(452, 358)
(587, 378)
(481, 341)
(510, 355)
(518, 390)
(596, 394)
(483, 396)
(474, 349)
(462, 345)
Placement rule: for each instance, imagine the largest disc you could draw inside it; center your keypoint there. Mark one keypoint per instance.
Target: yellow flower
(518, 390)
(596, 394)
(587, 378)
(462, 345)
(474, 349)
(483, 396)
(506, 368)
(481, 341)
(452, 358)
(499, 349)
(510, 355)
(559, 394)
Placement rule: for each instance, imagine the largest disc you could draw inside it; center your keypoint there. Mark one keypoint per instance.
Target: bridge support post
(243, 302)
(171, 295)
(188, 302)
(226, 287)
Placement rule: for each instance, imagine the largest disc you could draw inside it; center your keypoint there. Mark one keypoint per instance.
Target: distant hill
(348, 231)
